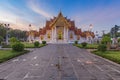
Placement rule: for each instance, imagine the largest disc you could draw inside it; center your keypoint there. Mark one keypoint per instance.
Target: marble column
(52, 35)
(64, 34)
(55, 34)
(67, 35)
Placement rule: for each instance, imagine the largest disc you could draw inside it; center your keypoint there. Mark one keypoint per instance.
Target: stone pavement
(59, 62)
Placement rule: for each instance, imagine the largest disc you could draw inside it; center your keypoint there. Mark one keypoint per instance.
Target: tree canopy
(13, 39)
(1, 39)
(119, 40)
(108, 34)
(2, 31)
(106, 39)
(115, 31)
(20, 35)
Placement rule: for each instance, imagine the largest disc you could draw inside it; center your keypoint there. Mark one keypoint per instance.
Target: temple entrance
(60, 34)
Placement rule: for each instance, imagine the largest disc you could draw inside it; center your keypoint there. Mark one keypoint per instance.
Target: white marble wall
(66, 39)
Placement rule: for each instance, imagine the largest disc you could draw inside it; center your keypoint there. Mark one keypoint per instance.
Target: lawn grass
(111, 55)
(31, 45)
(89, 46)
(9, 54)
(26, 44)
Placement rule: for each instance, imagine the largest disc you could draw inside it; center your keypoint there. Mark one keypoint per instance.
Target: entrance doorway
(60, 34)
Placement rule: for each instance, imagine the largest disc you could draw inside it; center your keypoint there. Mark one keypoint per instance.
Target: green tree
(118, 34)
(106, 40)
(13, 40)
(108, 35)
(2, 31)
(119, 40)
(102, 47)
(1, 39)
(20, 35)
(114, 31)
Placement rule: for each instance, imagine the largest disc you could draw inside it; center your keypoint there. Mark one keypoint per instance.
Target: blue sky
(103, 14)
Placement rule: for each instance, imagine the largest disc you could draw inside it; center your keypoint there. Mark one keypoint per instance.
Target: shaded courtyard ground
(59, 62)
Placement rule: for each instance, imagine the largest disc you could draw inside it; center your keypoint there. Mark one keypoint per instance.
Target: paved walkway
(59, 62)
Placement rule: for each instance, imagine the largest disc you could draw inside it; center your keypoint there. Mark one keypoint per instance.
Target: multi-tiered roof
(72, 27)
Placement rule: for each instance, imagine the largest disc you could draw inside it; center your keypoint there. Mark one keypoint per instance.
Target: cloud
(12, 15)
(102, 18)
(33, 4)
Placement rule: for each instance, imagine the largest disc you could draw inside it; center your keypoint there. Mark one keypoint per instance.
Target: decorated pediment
(60, 21)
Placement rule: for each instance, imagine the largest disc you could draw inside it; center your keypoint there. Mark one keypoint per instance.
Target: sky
(102, 14)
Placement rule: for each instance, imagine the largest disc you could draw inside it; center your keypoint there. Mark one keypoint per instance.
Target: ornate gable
(60, 20)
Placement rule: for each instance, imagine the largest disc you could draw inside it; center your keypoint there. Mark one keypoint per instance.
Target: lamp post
(90, 29)
(97, 36)
(103, 32)
(7, 35)
(29, 33)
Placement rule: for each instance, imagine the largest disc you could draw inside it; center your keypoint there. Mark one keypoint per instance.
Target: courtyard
(59, 62)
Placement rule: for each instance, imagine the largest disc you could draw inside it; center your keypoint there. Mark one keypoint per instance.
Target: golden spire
(60, 13)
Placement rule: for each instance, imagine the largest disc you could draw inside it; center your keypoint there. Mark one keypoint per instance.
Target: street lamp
(29, 32)
(7, 35)
(103, 32)
(90, 30)
(97, 36)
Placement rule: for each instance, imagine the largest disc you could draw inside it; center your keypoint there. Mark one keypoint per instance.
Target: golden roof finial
(60, 13)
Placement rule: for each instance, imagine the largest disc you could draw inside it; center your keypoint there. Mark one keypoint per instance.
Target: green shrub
(105, 40)
(119, 40)
(13, 40)
(76, 42)
(4, 44)
(43, 42)
(84, 44)
(18, 47)
(102, 47)
(36, 44)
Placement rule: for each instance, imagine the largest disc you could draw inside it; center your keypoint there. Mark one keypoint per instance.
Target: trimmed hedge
(43, 42)
(36, 44)
(18, 47)
(84, 44)
(76, 42)
(102, 47)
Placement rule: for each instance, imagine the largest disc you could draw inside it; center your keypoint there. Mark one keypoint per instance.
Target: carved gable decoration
(60, 21)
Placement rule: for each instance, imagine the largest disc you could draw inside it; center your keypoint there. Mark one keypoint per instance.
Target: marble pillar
(52, 35)
(55, 34)
(64, 34)
(67, 34)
